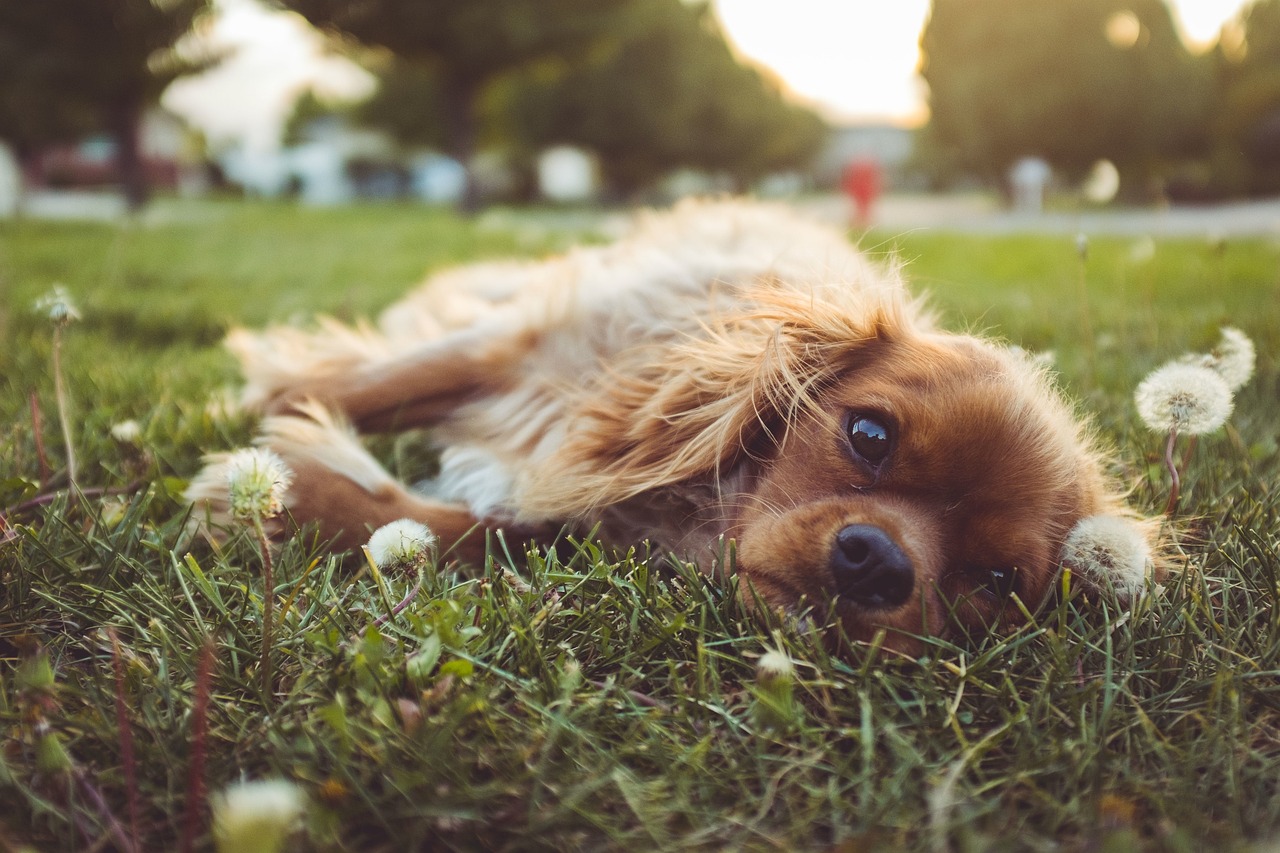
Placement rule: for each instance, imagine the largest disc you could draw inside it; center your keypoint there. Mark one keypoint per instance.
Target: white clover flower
(1189, 398)
(256, 817)
(400, 543)
(775, 669)
(126, 432)
(257, 480)
(59, 307)
(1108, 551)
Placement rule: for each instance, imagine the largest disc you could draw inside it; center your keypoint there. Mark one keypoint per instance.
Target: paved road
(982, 215)
(974, 213)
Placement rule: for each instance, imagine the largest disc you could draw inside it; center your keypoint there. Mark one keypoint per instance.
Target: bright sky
(856, 59)
(853, 59)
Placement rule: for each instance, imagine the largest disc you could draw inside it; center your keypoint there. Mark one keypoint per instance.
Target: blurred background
(1030, 107)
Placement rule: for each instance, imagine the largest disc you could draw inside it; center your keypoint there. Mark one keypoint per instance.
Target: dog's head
(931, 485)
(925, 483)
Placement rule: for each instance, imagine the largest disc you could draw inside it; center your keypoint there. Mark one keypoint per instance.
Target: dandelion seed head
(257, 480)
(58, 306)
(126, 432)
(775, 668)
(1109, 551)
(1234, 357)
(1190, 398)
(400, 543)
(1142, 251)
(1082, 245)
(255, 817)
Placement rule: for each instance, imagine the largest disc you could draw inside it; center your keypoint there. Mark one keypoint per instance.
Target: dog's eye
(998, 583)
(870, 439)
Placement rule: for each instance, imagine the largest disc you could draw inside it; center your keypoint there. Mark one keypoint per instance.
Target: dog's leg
(343, 490)
(380, 392)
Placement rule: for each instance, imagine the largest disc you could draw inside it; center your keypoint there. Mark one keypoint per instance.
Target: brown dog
(730, 371)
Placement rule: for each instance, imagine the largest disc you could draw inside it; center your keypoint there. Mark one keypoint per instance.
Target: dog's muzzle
(869, 568)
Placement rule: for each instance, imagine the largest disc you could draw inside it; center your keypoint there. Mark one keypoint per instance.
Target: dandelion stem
(404, 602)
(37, 430)
(199, 736)
(1191, 449)
(268, 609)
(64, 414)
(1086, 321)
(94, 796)
(49, 497)
(125, 732)
(1176, 484)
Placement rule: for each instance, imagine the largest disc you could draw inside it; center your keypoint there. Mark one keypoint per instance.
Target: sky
(854, 60)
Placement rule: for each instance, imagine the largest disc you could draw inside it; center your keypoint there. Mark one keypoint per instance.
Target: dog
(736, 385)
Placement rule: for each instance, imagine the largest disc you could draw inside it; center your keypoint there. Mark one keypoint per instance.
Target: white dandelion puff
(1108, 551)
(775, 704)
(58, 306)
(256, 817)
(1142, 251)
(775, 669)
(400, 543)
(1234, 358)
(1082, 246)
(257, 481)
(126, 432)
(1189, 399)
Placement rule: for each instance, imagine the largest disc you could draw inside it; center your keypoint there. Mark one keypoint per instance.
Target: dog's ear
(1114, 553)
(689, 408)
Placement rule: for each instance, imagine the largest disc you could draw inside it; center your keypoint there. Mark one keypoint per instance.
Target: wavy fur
(719, 374)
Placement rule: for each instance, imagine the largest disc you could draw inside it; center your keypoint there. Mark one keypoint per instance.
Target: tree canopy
(1072, 81)
(71, 66)
(1247, 123)
(466, 45)
(664, 94)
(648, 85)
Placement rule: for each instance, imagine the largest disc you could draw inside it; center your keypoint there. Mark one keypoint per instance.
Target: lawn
(603, 700)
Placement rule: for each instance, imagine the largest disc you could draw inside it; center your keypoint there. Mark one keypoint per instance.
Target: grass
(607, 700)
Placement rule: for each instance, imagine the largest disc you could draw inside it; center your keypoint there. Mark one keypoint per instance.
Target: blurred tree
(308, 109)
(1247, 126)
(70, 66)
(467, 45)
(653, 88)
(1072, 81)
(664, 92)
(409, 105)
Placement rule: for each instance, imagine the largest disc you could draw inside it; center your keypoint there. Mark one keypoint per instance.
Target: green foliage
(1072, 82)
(648, 85)
(664, 93)
(409, 105)
(67, 66)
(608, 700)
(1248, 108)
(465, 46)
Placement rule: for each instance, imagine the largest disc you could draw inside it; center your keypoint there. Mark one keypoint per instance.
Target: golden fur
(716, 376)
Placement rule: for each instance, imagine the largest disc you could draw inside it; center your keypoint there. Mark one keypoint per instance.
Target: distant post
(862, 182)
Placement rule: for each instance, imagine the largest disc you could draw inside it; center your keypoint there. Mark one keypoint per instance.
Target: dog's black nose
(870, 568)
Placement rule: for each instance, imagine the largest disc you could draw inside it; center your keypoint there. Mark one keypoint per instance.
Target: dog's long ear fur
(729, 391)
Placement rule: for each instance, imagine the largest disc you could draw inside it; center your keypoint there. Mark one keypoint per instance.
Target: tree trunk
(459, 114)
(126, 127)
